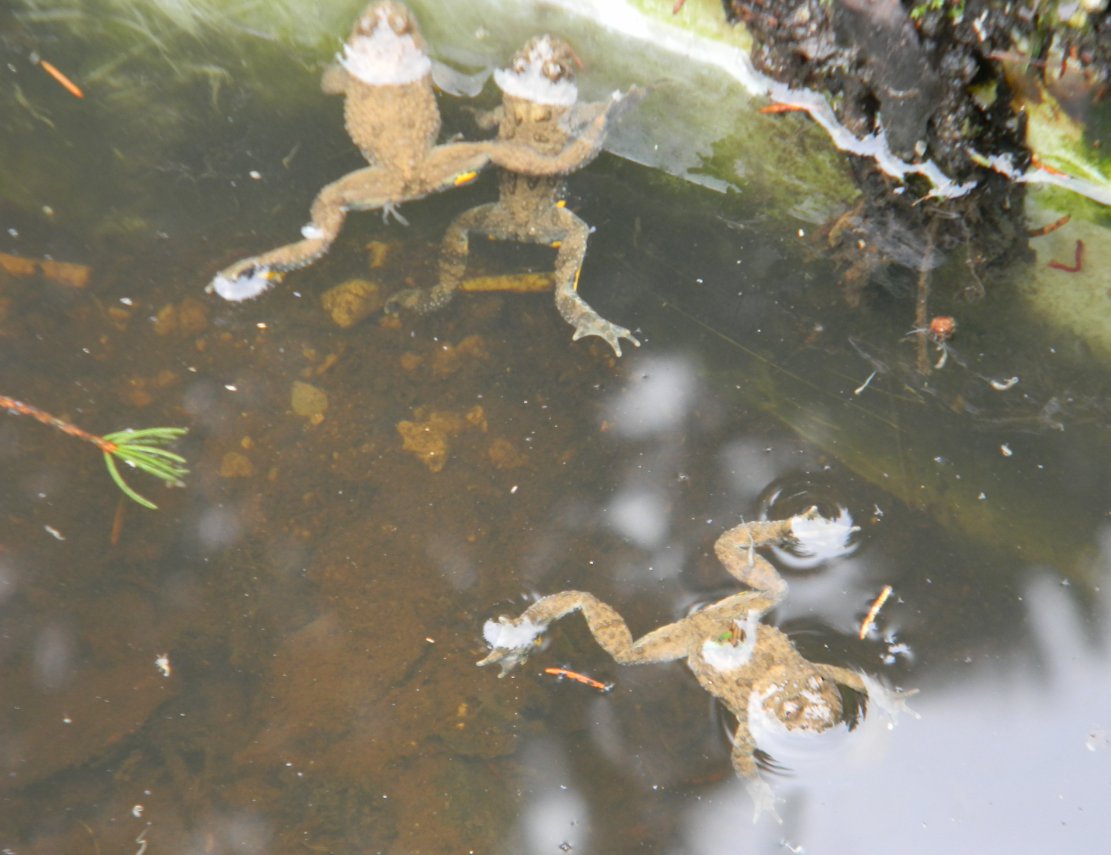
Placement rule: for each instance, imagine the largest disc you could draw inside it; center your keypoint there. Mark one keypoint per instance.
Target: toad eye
(400, 24)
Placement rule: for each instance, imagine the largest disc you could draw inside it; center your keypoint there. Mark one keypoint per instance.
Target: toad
(539, 108)
(751, 667)
(391, 114)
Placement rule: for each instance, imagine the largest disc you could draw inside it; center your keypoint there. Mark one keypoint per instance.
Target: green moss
(955, 10)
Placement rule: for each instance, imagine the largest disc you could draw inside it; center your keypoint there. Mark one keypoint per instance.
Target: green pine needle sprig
(143, 450)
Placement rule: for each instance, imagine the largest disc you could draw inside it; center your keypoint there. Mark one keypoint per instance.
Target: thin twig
(921, 308)
(138, 448)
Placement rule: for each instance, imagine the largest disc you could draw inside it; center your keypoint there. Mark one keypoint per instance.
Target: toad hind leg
(371, 187)
(743, 757)
(454, 251)
(609, 629)
(364, 189)
(574, 309)
(491, 220)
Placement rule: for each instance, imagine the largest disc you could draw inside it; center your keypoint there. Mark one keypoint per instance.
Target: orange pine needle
(67, 84)
(1045, 167)
(870, 618)
(782, 108)
(579, 678)
(1078, 260)
(1049, 229)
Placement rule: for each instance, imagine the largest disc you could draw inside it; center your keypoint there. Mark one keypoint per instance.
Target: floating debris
(1078, 260)
(870, 618)
(67, 84)
(562, 673)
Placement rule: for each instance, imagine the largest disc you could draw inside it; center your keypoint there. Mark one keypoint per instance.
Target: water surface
(320, 592)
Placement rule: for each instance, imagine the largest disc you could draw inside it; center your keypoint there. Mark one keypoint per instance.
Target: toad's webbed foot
(582, 316)
(512, 641)
(358, 190)
(591, 323)
(453, 262)
(249, 277)
(418, 300)
(405, 300)
(891, 702)
(763, 798)
(243, 280)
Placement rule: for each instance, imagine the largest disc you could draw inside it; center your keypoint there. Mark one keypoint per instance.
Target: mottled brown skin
(395, 126)
(530, 206)
(801, 695)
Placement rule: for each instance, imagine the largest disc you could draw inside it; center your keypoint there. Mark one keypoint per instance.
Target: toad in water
(539, 109)
(751, 667)
(391, 114)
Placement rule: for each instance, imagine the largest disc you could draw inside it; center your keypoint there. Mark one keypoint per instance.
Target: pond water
(282, 657)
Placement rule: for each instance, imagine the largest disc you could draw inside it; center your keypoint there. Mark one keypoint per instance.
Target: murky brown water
(319, 591)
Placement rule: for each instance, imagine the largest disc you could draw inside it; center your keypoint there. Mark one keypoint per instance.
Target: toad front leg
(364, 189)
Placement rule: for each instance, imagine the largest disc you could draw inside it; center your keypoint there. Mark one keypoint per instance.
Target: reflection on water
(319, 591)
(555, 814)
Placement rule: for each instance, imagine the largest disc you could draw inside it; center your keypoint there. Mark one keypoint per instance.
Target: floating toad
(539, 109)
(753, 668)
(391, 114)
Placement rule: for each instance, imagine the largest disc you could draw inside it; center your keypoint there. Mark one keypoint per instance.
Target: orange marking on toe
(465, 178)
(1052, 227)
